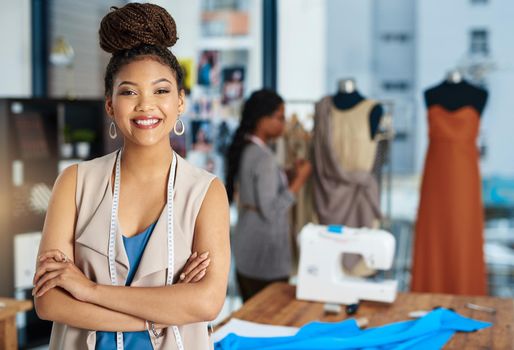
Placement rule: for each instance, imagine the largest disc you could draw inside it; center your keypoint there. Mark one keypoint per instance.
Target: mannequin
(345, 189)
(348, 97)
(455, 92)
(448, 248)
(454, 76)
(344, 142)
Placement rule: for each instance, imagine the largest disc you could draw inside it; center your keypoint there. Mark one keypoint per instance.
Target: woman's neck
(146, 162)
(261, 135)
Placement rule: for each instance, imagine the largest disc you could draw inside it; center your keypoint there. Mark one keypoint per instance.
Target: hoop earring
(112, 131)
(183, 127)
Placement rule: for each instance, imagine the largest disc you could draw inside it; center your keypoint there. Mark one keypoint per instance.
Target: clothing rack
(386, 134)
(306, 101)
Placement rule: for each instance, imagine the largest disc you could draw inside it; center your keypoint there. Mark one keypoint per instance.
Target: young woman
(120, 228)
(262, 250)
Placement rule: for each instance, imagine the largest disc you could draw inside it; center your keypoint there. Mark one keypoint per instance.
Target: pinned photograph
(233, 84)
(209, 69)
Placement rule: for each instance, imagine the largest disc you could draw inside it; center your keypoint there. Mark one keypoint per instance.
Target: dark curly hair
(136, 31)
(260, 104)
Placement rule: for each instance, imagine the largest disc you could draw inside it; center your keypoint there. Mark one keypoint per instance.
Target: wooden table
(8, 310)
(277, 305)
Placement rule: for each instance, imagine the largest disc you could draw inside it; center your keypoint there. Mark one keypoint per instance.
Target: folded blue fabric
(431, 331)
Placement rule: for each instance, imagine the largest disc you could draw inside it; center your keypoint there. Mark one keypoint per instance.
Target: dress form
(448, 248)
(456, 92)
(348, 96)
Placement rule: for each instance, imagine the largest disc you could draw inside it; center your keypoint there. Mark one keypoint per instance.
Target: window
(395, 37)
(479, 42)
(395, 85)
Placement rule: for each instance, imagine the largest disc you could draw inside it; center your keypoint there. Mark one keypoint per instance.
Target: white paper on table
(252, 329)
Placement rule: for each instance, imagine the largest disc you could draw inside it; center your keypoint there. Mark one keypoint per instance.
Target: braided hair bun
(137, 24)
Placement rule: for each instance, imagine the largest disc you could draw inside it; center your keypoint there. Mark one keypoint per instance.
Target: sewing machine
(321, 276)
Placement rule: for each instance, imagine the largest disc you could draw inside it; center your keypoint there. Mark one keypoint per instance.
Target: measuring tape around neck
(114, 228)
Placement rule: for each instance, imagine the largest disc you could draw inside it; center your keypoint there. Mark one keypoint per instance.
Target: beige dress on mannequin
(353, 147)
(298, 146)
(345, 190)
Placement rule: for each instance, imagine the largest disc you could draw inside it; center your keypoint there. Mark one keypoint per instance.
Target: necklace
(114, 229)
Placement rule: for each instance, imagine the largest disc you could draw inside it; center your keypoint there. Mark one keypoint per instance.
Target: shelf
(226, 43)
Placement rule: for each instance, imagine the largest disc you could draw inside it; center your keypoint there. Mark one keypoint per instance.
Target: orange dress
(448, 249)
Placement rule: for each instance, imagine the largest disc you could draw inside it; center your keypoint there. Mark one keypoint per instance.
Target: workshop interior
(402, 234)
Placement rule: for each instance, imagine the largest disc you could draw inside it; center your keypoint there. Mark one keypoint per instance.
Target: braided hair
(260, 104)
(136, 31)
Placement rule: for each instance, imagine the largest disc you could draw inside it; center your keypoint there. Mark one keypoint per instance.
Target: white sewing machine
(321, 276)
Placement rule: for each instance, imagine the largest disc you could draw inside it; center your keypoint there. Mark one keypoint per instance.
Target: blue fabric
(431, 331)
(134, 246)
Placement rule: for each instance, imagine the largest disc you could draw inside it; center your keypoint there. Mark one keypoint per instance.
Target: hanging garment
(448, 252)
(384, 137)
(431, 331)
(351, 142)
(345, 190)
(297, 142)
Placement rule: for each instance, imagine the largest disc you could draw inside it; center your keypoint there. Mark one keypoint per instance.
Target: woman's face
(145, 102)
(275, 123)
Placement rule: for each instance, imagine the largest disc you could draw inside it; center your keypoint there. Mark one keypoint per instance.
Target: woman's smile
(146, 122)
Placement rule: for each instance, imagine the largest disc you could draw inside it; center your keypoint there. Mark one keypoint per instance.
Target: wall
(15, 36)
(394, 52)
(301, 49)
(498, 121)
(187, 18)
(78, 22)
(15, 70)
(349, 52)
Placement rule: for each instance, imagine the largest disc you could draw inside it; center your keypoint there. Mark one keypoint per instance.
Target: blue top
(134, 246)
(431, 331)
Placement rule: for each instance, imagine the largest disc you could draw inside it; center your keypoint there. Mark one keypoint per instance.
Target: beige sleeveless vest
(351, 137)
(94, 200)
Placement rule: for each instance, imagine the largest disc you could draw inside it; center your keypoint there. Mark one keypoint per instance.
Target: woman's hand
(303, 169)
(195, 268)
(55, 254)
(56, 270)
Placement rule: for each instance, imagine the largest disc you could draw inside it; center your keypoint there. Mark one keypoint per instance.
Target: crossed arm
(65, 295)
